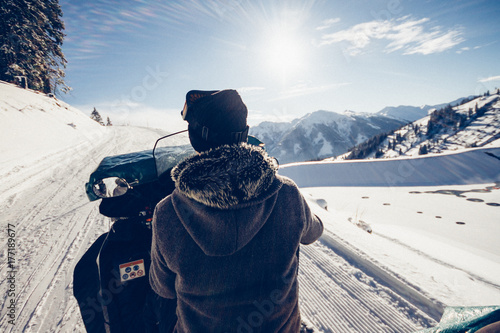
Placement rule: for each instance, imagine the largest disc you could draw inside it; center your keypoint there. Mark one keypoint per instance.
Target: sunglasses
(184, 111)
(192, 96)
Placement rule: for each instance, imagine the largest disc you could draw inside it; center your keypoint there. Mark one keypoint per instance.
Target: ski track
(55, 224)
(337, 297)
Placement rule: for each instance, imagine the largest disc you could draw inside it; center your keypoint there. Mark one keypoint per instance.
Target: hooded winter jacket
(226, 243)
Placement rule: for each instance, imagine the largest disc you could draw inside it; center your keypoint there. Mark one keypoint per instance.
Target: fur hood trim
(225, 176)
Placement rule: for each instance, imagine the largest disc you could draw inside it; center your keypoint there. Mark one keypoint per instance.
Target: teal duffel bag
(466, 320)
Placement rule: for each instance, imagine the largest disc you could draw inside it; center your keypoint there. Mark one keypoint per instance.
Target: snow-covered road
(54, 224)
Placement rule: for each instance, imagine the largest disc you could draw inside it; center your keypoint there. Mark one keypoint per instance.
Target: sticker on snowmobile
(132, 270)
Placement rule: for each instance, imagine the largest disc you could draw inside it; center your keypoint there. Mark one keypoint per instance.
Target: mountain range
(411, 113)
(321, 134)
(326, 134)
(473, 123)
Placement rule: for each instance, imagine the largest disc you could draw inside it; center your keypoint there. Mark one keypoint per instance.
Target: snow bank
(33, 125)
(474, 166)
(433, 221)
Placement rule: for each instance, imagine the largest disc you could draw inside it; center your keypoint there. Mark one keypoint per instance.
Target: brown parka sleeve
(313, 227)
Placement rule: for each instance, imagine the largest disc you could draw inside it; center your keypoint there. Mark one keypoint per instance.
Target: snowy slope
(479, 126)
(34, 124)
(35, 128)
(351, 281)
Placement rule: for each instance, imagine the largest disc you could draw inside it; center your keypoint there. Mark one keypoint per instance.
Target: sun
(283, 52)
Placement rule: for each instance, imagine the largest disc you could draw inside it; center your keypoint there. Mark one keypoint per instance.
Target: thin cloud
(436, 43)
(477, 47)
(491, 78)
(256, 117)
(304, 89)
(250, 89)
(405, 35)
(328, 23)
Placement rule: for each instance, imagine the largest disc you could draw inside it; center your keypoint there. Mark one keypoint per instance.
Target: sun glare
(283, 52)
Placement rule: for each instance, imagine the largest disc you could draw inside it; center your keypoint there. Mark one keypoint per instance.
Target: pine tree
(423, 150)
(31, 36)
(97, 117)
(108, 122)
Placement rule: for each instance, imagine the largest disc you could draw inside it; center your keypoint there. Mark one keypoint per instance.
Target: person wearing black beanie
(215, 118)
(226, 241)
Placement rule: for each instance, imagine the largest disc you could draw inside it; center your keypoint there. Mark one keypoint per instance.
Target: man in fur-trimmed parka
(226, 241)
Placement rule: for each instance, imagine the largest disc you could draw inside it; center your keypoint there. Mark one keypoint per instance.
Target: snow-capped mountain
(407, 112)
(321, 134)
(474, 123)
(411, 113)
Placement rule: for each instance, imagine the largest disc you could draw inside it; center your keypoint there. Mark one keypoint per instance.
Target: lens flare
(284, 54)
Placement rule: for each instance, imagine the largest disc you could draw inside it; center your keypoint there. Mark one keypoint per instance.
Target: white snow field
(398, 278)
(427, 227)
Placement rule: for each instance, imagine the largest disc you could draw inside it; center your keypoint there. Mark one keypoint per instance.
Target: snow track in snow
(55, 224)
(337, 297)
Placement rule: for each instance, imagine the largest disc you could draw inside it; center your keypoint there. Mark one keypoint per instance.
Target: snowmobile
(110, 282)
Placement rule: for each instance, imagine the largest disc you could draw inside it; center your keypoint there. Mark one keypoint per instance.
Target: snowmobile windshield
(170, 150)
(145, 166)
(141, 167)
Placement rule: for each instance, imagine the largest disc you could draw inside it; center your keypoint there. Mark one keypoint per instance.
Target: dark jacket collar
(225, 176)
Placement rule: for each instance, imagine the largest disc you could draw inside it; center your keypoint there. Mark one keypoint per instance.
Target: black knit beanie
(215, 118)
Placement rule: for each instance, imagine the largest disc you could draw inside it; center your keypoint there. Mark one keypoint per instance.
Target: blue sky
(134, 60)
